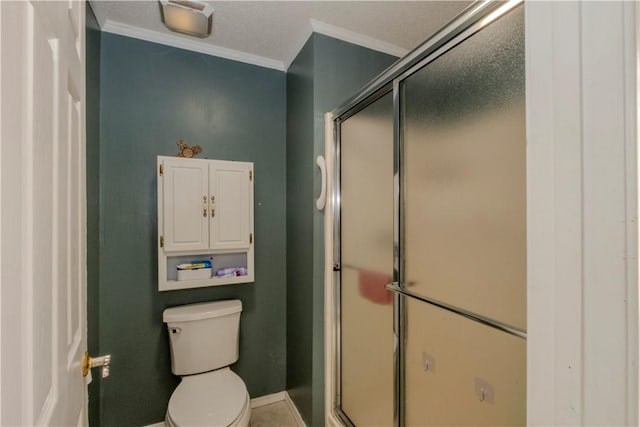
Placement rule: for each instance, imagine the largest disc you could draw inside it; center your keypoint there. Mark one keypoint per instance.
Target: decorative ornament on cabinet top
(186, 151)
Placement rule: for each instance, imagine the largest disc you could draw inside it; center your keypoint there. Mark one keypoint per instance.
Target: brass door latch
(96, 362)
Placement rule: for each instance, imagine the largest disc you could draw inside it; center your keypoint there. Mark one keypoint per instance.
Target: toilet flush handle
(175, 330)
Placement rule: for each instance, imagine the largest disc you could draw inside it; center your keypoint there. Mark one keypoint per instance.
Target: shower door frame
(557, 104)
(467, 23)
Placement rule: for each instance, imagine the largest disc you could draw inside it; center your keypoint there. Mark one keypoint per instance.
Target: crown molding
(345, 35)
(356, 38)
(119, 28)
(313, 26)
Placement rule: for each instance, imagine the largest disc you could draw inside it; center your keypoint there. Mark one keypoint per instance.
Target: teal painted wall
(300, 229)
(151, 95)
(335, 70)
(92, 47)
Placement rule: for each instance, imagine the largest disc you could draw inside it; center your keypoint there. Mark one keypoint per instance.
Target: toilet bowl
(204, 342)
(217, 398)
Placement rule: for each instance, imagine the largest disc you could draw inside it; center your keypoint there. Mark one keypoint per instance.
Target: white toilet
(204, 342)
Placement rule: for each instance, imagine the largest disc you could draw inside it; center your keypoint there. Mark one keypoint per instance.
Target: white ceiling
(271, 33)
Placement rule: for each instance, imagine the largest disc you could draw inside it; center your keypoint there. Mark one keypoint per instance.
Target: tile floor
(275, 414)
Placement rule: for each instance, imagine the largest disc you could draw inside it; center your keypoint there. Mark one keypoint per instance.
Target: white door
(230, 186)
(42, 213)
(186, 204)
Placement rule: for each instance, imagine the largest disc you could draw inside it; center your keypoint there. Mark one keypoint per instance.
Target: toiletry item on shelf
(231, 272)
(195, 270)
(205, 263)
(195, 265)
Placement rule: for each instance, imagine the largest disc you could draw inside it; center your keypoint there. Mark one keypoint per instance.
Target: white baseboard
(268, 399)
(294, 410)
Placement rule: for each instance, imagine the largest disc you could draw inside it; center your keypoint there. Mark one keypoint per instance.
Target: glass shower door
(464, 240)
(366, 320)
(442, 158)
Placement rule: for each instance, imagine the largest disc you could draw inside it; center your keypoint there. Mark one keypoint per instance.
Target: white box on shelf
(201, 273)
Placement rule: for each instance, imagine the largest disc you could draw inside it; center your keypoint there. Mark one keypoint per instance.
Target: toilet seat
(242, 421)
(216, 398)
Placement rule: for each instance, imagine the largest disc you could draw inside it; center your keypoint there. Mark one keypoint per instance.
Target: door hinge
(250, 175)
(250, 238)
(162, 241)
(161, 169)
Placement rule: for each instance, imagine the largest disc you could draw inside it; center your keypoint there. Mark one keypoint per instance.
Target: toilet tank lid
(207, 310)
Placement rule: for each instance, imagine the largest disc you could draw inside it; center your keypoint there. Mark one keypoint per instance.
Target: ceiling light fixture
(190, 17)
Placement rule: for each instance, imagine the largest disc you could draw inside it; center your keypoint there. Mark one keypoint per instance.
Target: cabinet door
(186, 208)
(230, 185)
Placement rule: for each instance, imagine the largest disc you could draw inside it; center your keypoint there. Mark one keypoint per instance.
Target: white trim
(554, 203)
(257, 402)
(314, 26)
(319, 27)
(356, 38)
(631, 156)
(633, 169)
(181, 42)
(329, 315)
(2, 202)
(294, 410)
(582, 295)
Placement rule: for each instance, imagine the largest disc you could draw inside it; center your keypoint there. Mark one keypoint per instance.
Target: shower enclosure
(429, 223)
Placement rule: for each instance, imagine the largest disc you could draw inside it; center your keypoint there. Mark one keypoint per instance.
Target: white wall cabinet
(205, 211)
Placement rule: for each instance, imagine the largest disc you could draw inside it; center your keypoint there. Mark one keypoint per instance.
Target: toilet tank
(203, 337)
